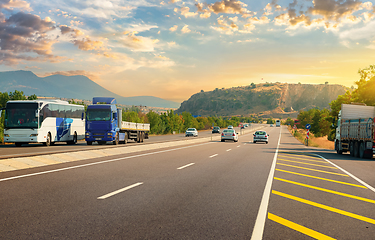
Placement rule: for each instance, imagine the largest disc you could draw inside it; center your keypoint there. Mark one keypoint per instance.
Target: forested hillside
(267, 99)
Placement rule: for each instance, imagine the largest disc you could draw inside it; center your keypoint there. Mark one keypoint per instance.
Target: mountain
(268, 100)
(76, 87)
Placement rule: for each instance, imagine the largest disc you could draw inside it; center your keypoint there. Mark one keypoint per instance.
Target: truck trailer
(355, 130)
(104, 124)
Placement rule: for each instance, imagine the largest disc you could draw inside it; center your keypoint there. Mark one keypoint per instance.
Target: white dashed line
(120, 190)
(229, 150)
(214, 155)
(186, 166)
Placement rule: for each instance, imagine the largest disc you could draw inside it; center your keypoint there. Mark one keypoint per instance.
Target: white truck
(355, 130)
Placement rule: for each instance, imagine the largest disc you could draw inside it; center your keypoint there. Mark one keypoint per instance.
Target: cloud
(224, 6)
(74, 32)
(185, 11)
(366, 32)
(185, 29)
(174, 28)
(87, 44)
(138, 43)
(11, 4)
(24, 35)
(334, 10)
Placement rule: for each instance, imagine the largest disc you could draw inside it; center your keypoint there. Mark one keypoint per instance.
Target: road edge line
(348, 173)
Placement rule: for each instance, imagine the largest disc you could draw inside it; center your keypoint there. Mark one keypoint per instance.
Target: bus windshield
(98, 115)
(21, 115)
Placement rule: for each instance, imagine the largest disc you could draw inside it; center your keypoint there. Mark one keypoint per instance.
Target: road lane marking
(303, 159)
(229, 150)
(100, 162)
(325, 207)
(120, 190)
(311, 164)
(298, 228)
(327, 190)
(351, 175)
(214, 155)
(306, 155)
(262, 213)
(239, 146)
(188, 165)
(315, 170)
(325, 179)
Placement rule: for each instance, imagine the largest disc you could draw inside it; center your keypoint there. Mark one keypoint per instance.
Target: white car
(191, 132)
(229, 134)
(230, 127)
(260, 136)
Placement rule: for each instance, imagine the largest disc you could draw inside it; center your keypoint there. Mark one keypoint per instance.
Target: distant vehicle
(191, 132)
(355, 130)
(230, 127)
(104, 124)
(216, 130)
(260, 136)
(229, 134)
(43, 121)
(271, 125)
(278, 123)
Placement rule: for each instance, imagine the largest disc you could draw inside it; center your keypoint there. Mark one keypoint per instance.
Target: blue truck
(104, 124)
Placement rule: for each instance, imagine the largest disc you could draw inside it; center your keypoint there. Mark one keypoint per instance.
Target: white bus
(43, 121)
(278, 123)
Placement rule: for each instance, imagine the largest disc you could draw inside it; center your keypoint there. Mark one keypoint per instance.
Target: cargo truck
(355, 130)
(104, 124)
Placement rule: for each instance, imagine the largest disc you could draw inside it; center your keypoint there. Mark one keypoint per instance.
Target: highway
(201, 189)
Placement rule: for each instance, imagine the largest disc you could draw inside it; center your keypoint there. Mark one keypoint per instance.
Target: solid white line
(229, 150)
(262, 213)
(348, 173)
(214, 155)
(186, 166)
(120, 190)
(101, 162)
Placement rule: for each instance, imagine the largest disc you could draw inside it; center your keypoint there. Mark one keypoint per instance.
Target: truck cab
(102, 121)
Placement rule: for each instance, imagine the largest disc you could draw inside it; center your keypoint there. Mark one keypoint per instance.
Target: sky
(173, 49)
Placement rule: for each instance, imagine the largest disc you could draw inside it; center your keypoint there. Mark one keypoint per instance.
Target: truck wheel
(356, 149)
(115, 142)
(351, 149)
(362, 150)
(142, 136)
(89, 143)
(138, 137)
(337, 148)
(126, 138)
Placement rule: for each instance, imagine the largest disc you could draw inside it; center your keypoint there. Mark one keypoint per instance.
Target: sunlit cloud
(185, 29)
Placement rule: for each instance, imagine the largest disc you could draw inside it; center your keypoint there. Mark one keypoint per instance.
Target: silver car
(191, 132)
(260, 136)
(229, 134)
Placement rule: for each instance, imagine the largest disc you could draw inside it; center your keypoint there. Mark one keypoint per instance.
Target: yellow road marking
(310, 169)
(282, 155)
(299, 154)
(305, 163)
(325, 179)
(297, 227)
(339, 211)
(327, 190)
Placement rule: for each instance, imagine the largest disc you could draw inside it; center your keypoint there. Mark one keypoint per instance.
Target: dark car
(216, 130)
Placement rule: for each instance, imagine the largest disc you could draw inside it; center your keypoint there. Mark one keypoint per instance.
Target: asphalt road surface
(209, 190)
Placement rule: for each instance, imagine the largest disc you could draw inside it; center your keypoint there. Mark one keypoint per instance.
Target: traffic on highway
(193, 188)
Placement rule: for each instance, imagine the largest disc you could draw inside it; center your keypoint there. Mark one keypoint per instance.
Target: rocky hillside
(268, 99)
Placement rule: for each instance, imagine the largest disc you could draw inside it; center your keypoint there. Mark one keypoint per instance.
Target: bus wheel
(48, 140)
(74, 141)
(18, 144)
